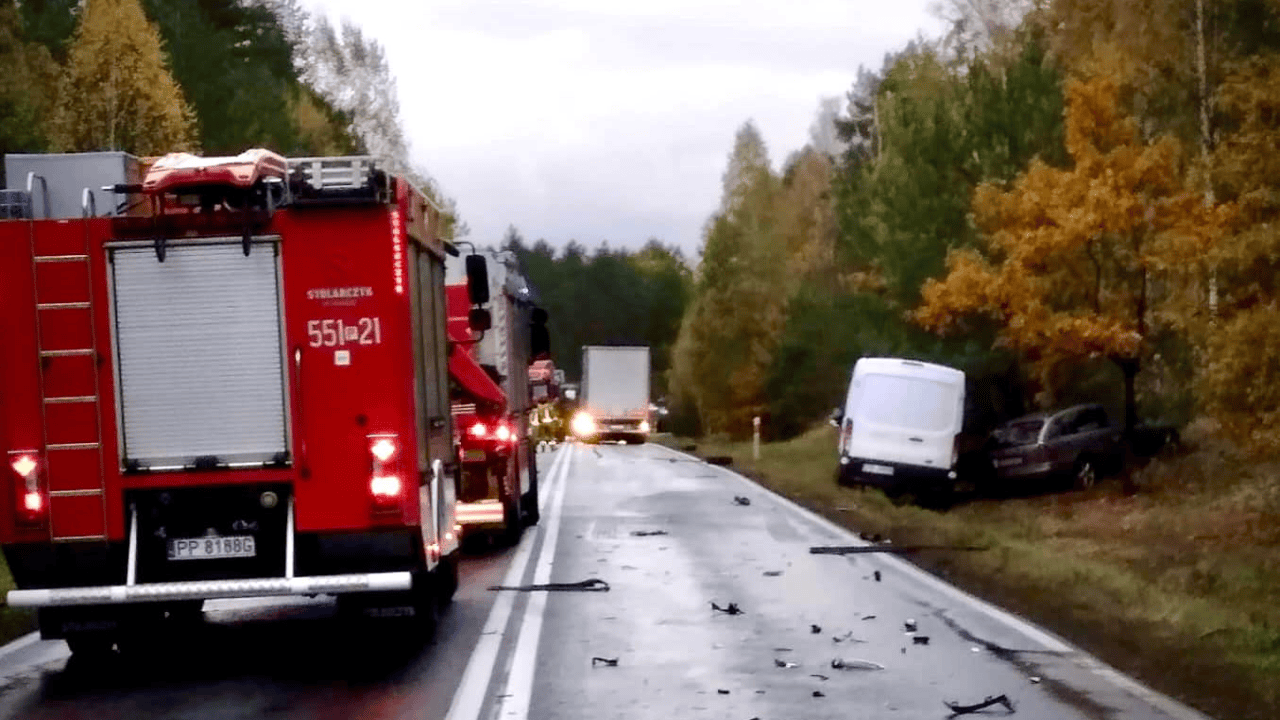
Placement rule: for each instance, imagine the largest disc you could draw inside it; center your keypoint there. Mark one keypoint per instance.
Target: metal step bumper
(211, 589)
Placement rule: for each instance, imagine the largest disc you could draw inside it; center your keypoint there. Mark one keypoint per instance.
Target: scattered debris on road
(869, 617)
(740, 500)
(648, 533)
(772, 573)
(876, 575)
(818, 693)
(785, 664)
(910, 625)
(1035, 680)
(782, 649)
(820, 677)
(886, 548)
(920, 640)
(731, 609)
(958, 709)
(855, 664)
(815, 629)
(589, 585)
(722, 691)
(607, 662)
(847, 636)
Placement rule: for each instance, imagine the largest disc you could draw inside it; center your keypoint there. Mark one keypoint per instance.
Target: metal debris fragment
(818, 693)
(740, 500)
(855, 664)
(815, 629)
(722, 691)
(772, 573)
(730, 609)
(607, 662)
(820, 677)
(958, 709)
(876, 575)
(648, 533)
(910, 625)
(590, 585)
(869, 617)
(786, 664)
(920, 640)
(1035, 680)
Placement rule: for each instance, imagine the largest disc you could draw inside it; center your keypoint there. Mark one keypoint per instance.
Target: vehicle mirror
(477, 280)
(478, 319)
(539, 338)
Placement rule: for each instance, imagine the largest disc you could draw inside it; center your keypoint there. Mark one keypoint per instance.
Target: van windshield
(908, 402)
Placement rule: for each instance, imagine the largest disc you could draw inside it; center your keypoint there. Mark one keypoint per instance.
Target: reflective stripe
(480, 512)
(211, 589)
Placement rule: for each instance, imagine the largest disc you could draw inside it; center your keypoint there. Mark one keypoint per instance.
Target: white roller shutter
(198, 354)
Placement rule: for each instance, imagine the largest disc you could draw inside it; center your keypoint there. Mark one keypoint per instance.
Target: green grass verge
(14, 622)
(1175, 583)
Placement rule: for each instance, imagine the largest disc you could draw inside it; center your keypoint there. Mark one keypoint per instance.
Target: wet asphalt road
(515, 655)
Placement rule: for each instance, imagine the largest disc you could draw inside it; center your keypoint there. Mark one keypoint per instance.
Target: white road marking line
(14, 646)
(518, 691)
(469, 698)
(1160, 701)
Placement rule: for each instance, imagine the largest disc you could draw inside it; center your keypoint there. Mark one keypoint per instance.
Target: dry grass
(1176, 582)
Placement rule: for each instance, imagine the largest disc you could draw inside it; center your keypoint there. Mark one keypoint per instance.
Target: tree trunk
(1130, 366)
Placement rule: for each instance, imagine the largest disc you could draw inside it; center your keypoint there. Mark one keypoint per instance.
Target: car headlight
(644, 426)
(583, 424)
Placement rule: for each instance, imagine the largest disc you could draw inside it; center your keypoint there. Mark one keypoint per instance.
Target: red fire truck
(236, 387)
(498, 490)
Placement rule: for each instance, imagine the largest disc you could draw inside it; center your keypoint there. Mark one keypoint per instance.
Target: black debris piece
(958, 709)
(607, 662)
(722, 691)
(876, 575)
(782, 649)
(920, 640)
(855, 664)
(772, 573)
(648, 533)
(820, 677)
(721, 460)
(730, 609)
(869, 617)
(740, 500)
(590, 585)
(818, 693)
(784, 663)
(886, 548)
(909, 625)
(815, 629)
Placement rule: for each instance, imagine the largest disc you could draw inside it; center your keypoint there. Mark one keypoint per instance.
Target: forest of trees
(212, 76)
(1068, 199)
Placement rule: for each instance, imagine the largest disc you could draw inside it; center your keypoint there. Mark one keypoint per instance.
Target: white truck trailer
(615, 395)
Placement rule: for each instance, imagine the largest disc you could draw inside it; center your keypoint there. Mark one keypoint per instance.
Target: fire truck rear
(498, 490)
(233, 384)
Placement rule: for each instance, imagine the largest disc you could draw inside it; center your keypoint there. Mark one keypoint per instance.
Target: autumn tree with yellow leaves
(116, 92)
(1083, 262)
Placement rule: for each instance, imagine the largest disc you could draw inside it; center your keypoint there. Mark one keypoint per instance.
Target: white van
(899, 426)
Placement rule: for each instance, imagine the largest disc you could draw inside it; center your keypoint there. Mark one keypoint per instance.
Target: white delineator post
(755, 438)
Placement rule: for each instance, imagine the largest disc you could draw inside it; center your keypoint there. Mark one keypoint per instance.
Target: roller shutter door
(198, 355)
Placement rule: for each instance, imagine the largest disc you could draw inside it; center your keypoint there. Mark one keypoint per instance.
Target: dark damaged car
(1075, 445)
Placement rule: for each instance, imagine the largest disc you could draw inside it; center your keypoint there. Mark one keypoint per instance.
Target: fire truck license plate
(206, 548)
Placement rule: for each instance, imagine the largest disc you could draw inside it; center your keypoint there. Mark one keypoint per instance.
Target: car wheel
(1086, 475)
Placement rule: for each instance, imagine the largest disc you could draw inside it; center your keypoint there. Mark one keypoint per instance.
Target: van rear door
(904, 419)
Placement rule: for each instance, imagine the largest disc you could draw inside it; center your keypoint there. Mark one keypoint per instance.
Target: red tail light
(503, 433)
(30, 504)
(479, 430)
(385, 487)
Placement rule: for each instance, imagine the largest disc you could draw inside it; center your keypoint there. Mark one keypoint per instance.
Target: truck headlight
(644, 426)
(583, 424)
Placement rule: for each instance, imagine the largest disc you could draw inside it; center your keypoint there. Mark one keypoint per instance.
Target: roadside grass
(14, 622)
(1175, 581)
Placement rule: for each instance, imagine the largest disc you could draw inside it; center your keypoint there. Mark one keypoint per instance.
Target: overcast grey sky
(601, 120)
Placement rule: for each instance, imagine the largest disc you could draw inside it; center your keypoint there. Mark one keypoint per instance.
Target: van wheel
(1086, 474)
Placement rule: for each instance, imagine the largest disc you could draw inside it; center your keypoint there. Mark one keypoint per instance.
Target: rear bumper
(900, 477)
(482, 514)
(211, 589)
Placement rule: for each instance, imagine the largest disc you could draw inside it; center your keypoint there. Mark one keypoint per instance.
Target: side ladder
(66, 338)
